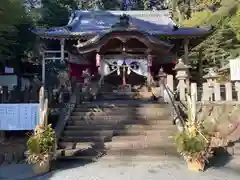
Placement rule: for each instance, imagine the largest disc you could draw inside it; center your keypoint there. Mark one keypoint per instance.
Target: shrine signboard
(18, 116)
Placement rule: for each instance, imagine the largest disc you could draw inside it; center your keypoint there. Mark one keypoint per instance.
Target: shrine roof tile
(101, 22)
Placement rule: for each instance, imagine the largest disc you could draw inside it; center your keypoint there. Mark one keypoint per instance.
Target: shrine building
(122, 46)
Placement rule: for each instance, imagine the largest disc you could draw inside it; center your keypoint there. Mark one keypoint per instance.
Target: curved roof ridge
(100, 22)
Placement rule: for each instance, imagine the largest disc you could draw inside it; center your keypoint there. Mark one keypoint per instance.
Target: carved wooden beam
(97, 42)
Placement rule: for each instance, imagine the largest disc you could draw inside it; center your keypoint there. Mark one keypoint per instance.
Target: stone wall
(223, 118)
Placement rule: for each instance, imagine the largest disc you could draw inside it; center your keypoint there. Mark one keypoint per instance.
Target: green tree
(235, 23)
(13, 21)
(223, 43)
(54, 12)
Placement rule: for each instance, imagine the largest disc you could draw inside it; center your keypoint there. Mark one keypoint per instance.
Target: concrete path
(16, 172)
(139, 169)
(125, 168)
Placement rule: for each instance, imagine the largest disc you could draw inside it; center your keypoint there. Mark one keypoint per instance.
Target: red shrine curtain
(76, 70)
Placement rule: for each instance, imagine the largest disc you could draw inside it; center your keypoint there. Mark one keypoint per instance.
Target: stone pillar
(228, 87)
(170, 82)
(214, 87)
(161, 80)
(237, 88)
(183, 78)
(194, 100)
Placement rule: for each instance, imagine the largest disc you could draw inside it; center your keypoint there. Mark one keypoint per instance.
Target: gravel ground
(138, 169)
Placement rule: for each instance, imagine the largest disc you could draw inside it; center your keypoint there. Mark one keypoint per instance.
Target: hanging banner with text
(19, 116)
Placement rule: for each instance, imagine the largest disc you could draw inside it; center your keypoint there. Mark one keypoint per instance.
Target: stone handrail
(66, 111)
(178, 118)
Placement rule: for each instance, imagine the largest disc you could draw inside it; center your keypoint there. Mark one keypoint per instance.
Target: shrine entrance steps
(118, 129)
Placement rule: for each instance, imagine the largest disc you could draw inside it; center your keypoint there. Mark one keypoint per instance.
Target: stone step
(116, 97)
(157, 151)
(126, 112)
(131, 143)
(75, 139)
(121, 117)
(163, 151)
(152, 137)
(89, 127)
(71, 145)
(73, 133)
(126, 132)
(122, 104)
(80, 122)
(136, 127)
(122, 107)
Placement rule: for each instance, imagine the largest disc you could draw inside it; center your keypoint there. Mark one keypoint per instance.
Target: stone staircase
(126, 128)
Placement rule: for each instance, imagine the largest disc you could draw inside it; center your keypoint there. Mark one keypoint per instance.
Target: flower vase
(196, 165)
(42, 168)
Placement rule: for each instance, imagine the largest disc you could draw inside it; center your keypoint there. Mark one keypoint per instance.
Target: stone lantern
(182, 77)
(181, 70)
(211, 77)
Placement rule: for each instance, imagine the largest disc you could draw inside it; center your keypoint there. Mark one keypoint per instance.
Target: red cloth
(77, 69)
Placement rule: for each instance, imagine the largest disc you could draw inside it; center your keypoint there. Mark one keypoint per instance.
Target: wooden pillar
(186, 61)
(62, 43)
(43, 67)
(186, 51)
(200, 65)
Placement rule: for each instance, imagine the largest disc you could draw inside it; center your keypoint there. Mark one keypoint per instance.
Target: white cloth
(104, 69)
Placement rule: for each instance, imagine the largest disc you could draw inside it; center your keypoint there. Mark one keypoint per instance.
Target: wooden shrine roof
(92, 23)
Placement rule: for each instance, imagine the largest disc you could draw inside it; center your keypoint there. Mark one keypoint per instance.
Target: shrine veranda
(123, 47)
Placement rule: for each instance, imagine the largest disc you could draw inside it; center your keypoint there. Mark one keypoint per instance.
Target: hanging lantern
(98, 59)
(149, 60)
(128, 70)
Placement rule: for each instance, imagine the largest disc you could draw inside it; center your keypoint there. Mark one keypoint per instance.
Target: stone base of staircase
(120, 128)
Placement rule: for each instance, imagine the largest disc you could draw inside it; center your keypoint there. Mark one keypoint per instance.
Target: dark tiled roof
(101, 22)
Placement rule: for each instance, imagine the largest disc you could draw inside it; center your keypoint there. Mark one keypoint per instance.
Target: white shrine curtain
(143, 66)
(105, 66)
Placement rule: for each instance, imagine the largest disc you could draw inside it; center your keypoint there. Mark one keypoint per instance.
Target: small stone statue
(86, 75)
(86, 79)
